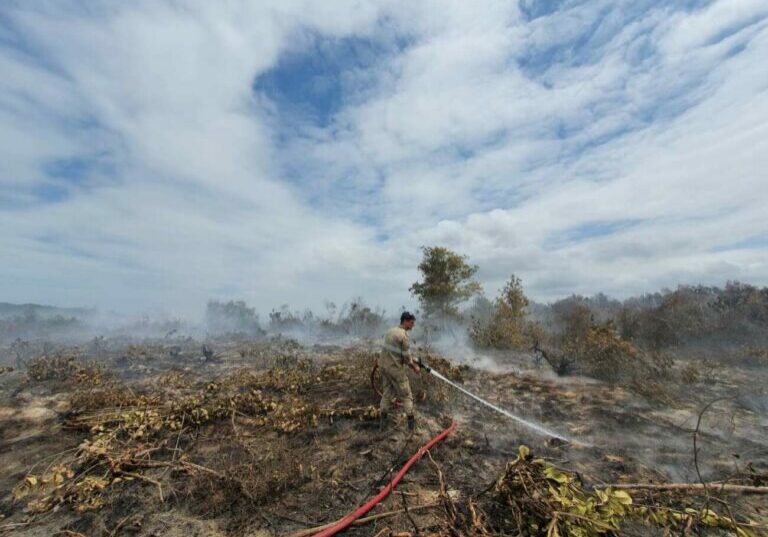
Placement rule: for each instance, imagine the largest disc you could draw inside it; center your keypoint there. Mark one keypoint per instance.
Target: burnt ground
(268, 438)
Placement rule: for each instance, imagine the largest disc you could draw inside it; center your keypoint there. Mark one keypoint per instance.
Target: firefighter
(396, 356)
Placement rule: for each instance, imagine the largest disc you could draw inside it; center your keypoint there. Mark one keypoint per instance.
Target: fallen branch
(364, 520)
(696, 447)
(141, 477)
(13, 525)
(742, 489)
(119, 526)
(191, 465)
(408, 514)
(444, 498)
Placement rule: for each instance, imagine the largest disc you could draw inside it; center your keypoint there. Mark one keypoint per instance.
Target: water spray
(525, 423)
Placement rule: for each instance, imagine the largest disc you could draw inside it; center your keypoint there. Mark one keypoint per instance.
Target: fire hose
(528, 424)
(348, 520)
(345, 522)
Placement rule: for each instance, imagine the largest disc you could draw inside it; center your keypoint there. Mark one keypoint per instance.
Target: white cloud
(663, 121)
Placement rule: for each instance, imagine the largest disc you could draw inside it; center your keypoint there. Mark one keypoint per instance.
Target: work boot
(411, 423)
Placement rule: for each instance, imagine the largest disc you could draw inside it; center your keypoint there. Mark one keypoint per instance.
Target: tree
(506, 328)
(602, 353)
(447, 282)
(574, 317)
(359, 319)
(231, 317)
(513, 301)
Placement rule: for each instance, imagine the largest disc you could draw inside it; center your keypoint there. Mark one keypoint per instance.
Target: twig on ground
(119, 526)
(292, 519)
(176, 447)
(743, 489)
(13, 525)
(450, 510)
(147, 479)
(408, 514)
(178, 437)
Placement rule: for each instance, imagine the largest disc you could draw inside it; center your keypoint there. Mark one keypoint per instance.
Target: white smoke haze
(608, 419)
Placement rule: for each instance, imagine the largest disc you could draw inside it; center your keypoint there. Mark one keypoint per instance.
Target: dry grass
(267, 433)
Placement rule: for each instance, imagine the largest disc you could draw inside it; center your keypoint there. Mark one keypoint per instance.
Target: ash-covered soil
(171, 438)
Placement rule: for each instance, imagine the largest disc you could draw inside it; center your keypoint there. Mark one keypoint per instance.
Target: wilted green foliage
(447, 281)
(536, 498)
(65, 365)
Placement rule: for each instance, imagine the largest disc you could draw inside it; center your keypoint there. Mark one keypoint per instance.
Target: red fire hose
(363, 509)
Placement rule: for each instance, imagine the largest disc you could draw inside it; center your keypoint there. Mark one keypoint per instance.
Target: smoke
(649, 430)
(455, 345)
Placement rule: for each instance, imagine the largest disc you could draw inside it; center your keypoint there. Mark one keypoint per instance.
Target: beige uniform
(395, 357)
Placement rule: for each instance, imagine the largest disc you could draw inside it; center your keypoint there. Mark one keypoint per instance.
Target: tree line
(599, 336)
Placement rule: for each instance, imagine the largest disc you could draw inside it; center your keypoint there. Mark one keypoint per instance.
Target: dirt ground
(170, 438)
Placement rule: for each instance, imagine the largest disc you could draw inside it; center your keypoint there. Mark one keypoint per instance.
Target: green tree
(447, 281)
(507, 327)
(513, 301)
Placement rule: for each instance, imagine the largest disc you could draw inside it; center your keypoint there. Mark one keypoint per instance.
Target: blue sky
(156, 154)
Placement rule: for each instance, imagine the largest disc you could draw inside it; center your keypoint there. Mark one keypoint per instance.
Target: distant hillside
(15, 310)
